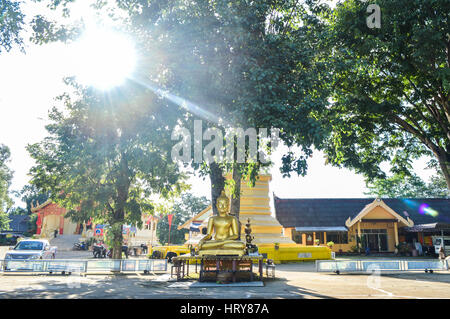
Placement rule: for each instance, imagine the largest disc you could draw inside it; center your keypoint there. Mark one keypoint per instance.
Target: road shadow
(441, 277)
(148, 287)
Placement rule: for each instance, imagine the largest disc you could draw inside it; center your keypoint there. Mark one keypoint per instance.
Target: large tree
(5, 182)
(244, 64)
(106, 155)
(391, 85)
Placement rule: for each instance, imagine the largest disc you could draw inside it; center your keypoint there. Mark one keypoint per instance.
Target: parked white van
(438, 241)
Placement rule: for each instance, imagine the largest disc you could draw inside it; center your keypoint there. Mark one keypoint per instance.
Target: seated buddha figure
(226, 232)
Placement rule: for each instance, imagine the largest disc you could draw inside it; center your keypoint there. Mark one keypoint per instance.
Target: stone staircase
(65, 242)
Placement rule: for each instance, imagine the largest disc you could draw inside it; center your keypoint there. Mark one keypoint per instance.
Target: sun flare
(103, 58)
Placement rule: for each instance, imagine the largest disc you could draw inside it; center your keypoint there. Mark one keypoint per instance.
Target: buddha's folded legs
(228, 244)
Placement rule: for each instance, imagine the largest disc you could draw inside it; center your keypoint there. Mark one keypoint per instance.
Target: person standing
(442, 257)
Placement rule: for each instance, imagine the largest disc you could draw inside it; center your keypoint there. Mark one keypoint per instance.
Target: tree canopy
(106, 156)
(390, 98)
(11, 25)
(242, 64)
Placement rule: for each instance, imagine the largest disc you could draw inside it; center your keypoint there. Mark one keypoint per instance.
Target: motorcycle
(99, 251)
(79, 246)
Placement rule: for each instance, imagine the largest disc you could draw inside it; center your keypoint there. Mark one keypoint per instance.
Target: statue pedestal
(219, 268)
(229, 268)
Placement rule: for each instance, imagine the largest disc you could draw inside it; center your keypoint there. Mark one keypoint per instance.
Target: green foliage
(184, 209)
(403, 248)
(5, 182)
(11, 24)
(245, 64)
(354, 249)
(12, 21)
(18, 211)
(32, 196)
(390, 100)
(409, 186)
(105, 156)
(32, 227)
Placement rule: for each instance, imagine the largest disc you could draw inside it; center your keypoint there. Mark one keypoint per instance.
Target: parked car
(31, 249)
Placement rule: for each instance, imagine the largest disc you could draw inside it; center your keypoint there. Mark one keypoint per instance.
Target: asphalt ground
(293, 281)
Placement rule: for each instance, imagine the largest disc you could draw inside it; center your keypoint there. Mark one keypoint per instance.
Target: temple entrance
(375, 239)
(50, 224)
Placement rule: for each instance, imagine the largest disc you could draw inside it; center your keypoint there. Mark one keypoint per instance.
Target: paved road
(293, 281)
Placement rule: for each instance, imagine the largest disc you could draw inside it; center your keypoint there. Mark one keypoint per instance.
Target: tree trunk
(123, 188)
(117, 246)
(217, 184)
(444, 163)
(235, 207)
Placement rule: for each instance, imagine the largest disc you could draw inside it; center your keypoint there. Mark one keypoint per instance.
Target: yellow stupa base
(294, 252)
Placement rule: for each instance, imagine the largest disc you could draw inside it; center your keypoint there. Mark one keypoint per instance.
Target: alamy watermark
(374, 19)
(374, 280)
(250, 145)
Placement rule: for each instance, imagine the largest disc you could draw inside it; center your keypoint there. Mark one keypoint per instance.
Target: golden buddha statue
(226, 232)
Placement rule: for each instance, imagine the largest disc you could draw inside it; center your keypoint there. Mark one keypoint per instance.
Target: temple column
(359, 234)
(396, 233)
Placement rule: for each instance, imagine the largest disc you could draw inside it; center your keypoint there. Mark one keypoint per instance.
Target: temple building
(52, 217)
(380, 223)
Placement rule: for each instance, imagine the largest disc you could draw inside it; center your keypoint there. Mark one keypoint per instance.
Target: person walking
(443, 258)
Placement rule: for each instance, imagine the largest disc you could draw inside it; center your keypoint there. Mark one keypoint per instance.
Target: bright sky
(30, 82)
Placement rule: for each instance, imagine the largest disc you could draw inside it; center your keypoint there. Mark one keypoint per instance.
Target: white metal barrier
(355, 266)
(83, 266)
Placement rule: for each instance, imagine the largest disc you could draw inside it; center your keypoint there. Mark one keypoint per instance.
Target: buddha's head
(223, 203)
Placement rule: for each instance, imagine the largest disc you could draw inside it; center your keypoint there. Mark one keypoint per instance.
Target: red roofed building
(51, 217)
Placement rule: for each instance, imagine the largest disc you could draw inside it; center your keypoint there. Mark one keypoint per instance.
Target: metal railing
(85, 266)
(355, 266)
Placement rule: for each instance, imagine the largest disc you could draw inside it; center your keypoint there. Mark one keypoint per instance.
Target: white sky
(30, 82)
